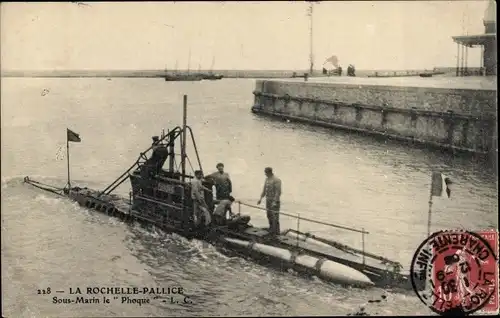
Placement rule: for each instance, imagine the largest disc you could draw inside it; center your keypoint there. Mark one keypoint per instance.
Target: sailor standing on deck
(200, 207)
(223, 185)
(272, 192)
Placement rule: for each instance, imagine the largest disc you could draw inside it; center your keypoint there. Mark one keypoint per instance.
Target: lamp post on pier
(311, 55)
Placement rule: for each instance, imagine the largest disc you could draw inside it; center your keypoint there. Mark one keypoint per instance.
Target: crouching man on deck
(272, 192)
(220, 212)
(200, 207)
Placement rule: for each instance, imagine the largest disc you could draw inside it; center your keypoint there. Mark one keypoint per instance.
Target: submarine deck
(260, 235)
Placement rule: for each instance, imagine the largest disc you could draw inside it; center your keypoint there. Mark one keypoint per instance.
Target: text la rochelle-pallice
(127, 290)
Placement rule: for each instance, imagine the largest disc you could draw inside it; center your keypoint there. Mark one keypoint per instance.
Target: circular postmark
(451, 272)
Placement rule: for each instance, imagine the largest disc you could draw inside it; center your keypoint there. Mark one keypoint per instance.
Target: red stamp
(456, 272)
(493, 305)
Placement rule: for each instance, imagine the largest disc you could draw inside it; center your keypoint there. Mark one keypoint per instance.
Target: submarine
(161, 196)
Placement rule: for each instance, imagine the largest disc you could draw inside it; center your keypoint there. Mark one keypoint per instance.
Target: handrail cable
(297, 216)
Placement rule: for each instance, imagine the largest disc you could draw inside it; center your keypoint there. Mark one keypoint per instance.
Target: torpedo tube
(306, 239)
(325, 268)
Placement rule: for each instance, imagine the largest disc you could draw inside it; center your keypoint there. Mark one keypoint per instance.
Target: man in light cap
(200, 208)
(272, 192)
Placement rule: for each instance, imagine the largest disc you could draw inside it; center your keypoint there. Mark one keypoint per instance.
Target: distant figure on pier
(223, 184)
(200, 207)
(325, 72)
(339, 70)
(272, 192)
(351, 71)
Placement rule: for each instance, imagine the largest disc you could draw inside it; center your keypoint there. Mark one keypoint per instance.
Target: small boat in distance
(161, 196)
(430, 74)
(211, 76)
(183, 77)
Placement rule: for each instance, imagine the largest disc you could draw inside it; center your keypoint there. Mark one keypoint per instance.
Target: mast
(183, 143)
(212, 66)
(183, 159)
(67, 156)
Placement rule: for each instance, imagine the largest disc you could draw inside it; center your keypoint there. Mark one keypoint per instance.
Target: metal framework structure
(486, 41)
(470, 41)
(166, 140)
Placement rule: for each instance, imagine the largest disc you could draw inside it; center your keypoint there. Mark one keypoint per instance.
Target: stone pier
(454, 116)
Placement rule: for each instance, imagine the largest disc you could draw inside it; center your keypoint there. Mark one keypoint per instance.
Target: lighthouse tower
(490, 19)
(490, 46)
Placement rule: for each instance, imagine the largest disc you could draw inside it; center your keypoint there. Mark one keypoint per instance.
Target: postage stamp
(455, 272)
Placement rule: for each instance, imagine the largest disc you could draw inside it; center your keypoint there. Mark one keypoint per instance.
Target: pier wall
(461, 119)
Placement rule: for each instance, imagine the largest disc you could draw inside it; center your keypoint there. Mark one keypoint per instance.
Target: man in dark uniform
(223, 185)
(272, 192)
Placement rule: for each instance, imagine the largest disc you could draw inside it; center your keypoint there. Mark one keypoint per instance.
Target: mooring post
(363, 243)
(239, 207)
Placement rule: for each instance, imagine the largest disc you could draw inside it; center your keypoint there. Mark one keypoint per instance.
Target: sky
(231, 35)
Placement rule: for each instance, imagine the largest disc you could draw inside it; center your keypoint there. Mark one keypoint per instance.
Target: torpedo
(304, 238)
(332, 271)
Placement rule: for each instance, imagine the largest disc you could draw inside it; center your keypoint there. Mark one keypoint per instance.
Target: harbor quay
(448, 113)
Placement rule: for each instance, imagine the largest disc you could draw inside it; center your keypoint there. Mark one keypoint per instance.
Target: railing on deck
(299, 218)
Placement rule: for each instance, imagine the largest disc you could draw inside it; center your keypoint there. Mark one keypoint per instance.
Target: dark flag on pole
(440, 187)
(73, 136)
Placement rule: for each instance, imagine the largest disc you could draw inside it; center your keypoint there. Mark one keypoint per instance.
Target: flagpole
(429, 214)
(67, 156)
(428, 245)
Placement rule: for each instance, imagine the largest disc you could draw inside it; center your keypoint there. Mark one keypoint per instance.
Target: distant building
(487, 42)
